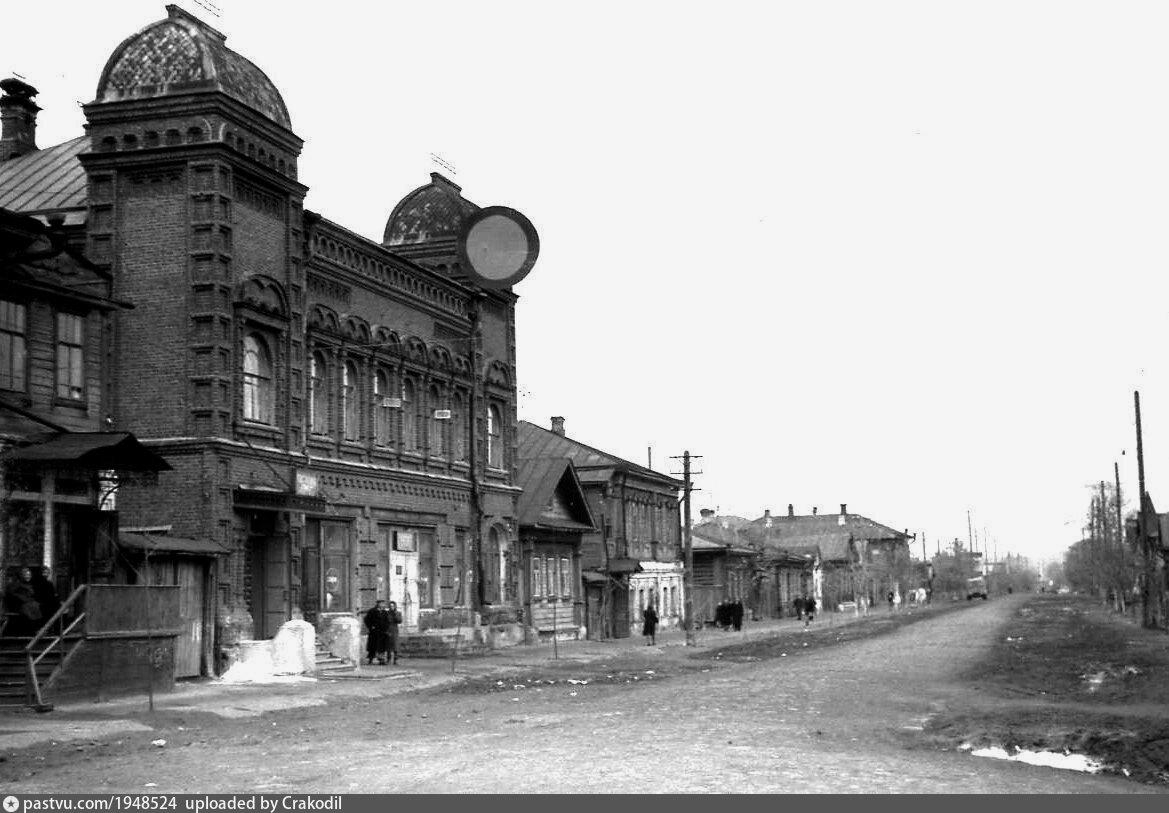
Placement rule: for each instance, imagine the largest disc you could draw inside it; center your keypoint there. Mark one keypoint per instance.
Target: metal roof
(94, 450)
(48, 180)
(536, 441)
(539, 480)
(165, 543)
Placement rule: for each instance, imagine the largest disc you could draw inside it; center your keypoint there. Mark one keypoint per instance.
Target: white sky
(908, 256)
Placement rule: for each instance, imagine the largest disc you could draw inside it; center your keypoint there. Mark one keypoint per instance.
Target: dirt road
(815, 719)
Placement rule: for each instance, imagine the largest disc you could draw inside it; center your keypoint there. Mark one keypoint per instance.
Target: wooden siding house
(553, 516)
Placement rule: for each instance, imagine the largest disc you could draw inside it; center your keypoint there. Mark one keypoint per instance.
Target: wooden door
(191, 577)
(404, 585)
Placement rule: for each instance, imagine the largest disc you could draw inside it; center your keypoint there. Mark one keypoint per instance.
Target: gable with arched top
(462, 366)
(440, 358)
(387, 339)
(324, 319)
(416, 349)
(498, 374)
(263, 294)
(356, 329)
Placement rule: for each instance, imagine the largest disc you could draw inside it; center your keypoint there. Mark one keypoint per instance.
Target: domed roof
(182, 54)
(432, 211)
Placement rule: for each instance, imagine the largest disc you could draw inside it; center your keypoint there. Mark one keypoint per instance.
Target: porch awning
(119, 451)
(165, 543)
(592, 577)
(624, 565)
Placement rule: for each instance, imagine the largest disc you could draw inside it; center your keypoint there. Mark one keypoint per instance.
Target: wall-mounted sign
(442, 414)
(498, 247)
(307, 483)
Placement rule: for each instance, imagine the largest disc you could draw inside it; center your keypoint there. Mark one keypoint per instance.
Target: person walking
(737, 615)
(377, 622)
(809, 610)
(649, 624)
(798, 605)
(395, 618)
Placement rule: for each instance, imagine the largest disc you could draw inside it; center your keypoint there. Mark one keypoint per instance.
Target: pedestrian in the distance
(809, 610)
(649, 624)
(798, 605)
(889, 598)
(377, 643)
(737, 615)
(392, 632)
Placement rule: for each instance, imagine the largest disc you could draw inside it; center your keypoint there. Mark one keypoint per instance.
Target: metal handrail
(29, 648)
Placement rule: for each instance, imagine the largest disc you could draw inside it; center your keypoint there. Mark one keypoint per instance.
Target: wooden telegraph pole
(687, 547)
(1144, 543)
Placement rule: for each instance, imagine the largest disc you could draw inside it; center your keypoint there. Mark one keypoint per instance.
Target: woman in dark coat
(21, 606)
(45, 593)
(377, 621)
(395, 618)
(649, 624)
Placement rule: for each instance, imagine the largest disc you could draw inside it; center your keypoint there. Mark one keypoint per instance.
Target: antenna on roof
(208, 6)
(437, 160)
(19, 76)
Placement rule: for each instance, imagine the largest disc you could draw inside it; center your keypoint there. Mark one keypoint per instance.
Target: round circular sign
(498, 247)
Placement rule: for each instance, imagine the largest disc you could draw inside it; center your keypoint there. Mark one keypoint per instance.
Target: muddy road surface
(817, 716)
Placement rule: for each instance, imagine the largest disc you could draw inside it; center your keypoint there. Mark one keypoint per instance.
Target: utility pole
(1143, 541)
(969, 531)
(687, 547)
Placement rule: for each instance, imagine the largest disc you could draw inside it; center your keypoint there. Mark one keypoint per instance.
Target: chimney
(843, 508)
(791, 510)
(814, 510)
(766, 517)
(558, 425)
(707, 514)
(843, 518)
(18, 119)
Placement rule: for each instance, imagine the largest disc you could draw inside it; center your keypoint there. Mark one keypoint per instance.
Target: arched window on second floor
(259, 392)
(436, 408)
(318, 398)
(382, 412)
(458, 428)
(350, 406)
(494, 438)
(409, 416)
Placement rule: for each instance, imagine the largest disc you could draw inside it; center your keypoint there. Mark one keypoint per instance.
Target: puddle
(1048, 759)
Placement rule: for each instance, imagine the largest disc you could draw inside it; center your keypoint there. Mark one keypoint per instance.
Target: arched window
(318, 399)
(438, 422)
(259, 395)
(494, 569)
(458, 428)
(350, 408)
(409, 417)
(381, 410)
(494, 438)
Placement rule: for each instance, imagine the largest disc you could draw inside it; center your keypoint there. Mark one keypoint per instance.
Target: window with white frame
(494, 438)
(13, 346)
(259, 397)
(70, 356)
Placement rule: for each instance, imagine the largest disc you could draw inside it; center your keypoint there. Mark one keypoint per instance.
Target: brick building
(339, 413)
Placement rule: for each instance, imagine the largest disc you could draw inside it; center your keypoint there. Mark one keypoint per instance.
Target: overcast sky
(908, 256)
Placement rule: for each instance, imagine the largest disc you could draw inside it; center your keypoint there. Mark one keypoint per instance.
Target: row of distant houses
(221, 411)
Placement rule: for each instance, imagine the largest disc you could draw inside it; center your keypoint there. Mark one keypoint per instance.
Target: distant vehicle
(976, 588)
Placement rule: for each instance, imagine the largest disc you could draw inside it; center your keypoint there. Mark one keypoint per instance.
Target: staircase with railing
(29, 665)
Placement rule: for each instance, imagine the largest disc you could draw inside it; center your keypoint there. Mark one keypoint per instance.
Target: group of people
(29, 601)
(381, 624)
(729, 615)
(805, 607)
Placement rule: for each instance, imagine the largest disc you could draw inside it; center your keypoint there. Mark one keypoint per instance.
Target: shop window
(259, 395)
(70, 356)
(13, 347)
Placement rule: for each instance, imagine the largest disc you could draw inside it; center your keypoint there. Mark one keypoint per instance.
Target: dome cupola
(180, 55)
